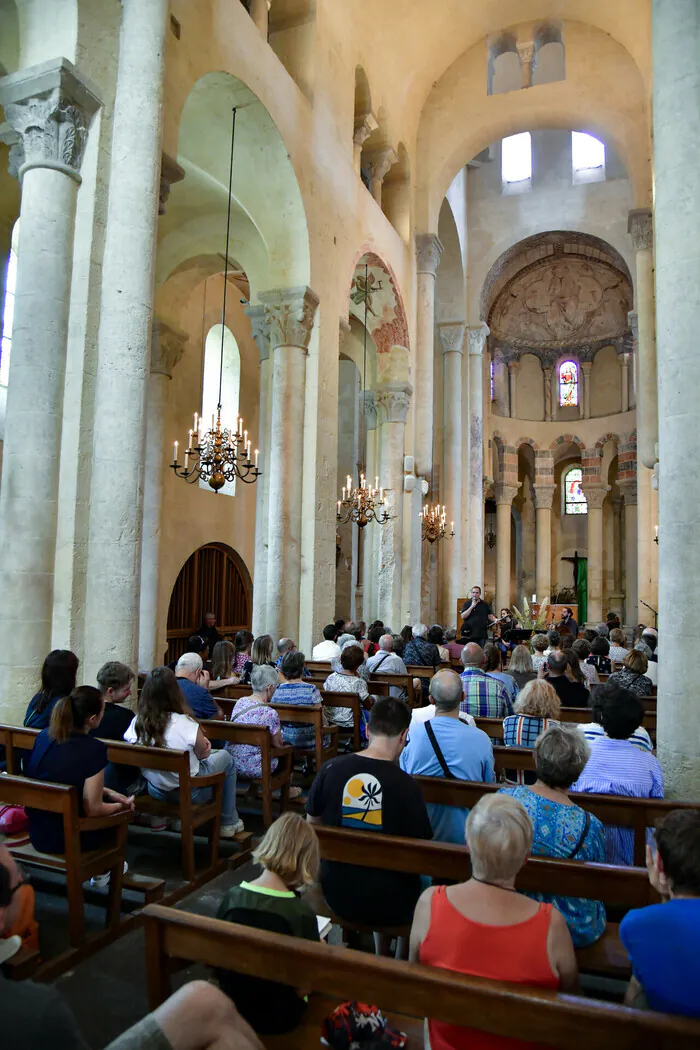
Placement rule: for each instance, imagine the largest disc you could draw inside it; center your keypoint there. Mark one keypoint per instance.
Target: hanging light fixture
(434, 524)
(490, 535)
(363, 504)
(219, 455)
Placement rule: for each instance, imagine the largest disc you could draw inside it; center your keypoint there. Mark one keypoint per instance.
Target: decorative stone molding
(364, 126)
(259, 329)
(544, 495)
(393, 404)
(369, 409)
(628, 490)
(640, 227)
(633, 322)
(428, 251)
(505, 493)
(289, 316)
(514, 367)
(486, 484)
(170, 173)
(526, 53)
(167, 348)
(377, 164)
(452, 336)
(478, 335)
(595, 495)
(49, 107)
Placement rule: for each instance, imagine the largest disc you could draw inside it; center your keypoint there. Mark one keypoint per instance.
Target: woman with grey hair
(420, 652)
(561, 828)
(255, 710)
(483, 928)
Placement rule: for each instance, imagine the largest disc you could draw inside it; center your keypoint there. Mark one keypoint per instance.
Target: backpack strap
(438, 752)
(582, 836)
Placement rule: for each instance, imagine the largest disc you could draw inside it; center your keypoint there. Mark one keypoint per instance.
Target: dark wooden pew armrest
(111, 820)
(208, 781)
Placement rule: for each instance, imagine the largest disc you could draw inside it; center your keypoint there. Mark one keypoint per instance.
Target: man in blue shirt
(193, 681)
(662, 940)
(445, 746)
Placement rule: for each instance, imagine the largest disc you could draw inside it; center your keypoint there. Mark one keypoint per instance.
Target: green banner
(582, 590)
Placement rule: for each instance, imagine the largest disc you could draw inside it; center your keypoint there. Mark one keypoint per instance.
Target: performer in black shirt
(476, 616)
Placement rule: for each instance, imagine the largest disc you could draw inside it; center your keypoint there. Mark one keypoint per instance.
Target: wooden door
(213, 579)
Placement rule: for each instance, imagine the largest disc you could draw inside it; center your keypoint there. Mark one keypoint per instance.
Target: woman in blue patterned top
(562, 829)
(293, 690)
(536, 708)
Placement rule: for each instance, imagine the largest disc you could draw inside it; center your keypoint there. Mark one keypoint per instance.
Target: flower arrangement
(527, 619)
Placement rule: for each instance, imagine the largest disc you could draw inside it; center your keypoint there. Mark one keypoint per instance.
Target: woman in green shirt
(289, 856)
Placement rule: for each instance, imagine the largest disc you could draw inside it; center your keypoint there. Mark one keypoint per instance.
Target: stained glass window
(574, 499)
(493, 391)
(9, 308)
(568, 383)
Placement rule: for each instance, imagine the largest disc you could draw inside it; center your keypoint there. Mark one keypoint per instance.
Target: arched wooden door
(213, 579)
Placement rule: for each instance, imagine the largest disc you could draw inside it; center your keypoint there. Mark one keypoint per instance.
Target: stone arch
(386, 315)
(549, 63)
(527, 441)
(569, 439)
(504, 70)
(607, 437)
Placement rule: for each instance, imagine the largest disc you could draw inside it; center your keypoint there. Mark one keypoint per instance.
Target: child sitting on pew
(289, 856)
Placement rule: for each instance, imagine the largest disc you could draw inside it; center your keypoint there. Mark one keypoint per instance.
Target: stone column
(364, 126)
(513, 369)
(548, 373)
(544, 495)
(641, 230)
(595, 495)
(623, 361)
(124, 340)
(645, 543)
(260, 13)
(526, 52)
(392, 412)
(477, 335)
(289, 318)
(452, 339)
(258, 327)
(167, 348)
(586, 370)
(370, 540)
(629, 495)
(49, 108)
(378, 164)
(428, 252)
(505, 494)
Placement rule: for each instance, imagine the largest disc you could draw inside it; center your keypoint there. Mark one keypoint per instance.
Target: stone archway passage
(213, 579)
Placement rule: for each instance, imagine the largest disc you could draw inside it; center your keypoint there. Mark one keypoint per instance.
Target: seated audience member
(406, 633)
(602, 630)
(593, 730)
(369, 792)
(261, 652)
(649, 641)
(437, 637)
(193, 681)
(453, 647)
(582, 650)
(293, 690)
(284, 645)
(590, 635)
(347, 680)
(535, 709)
(243, 642)
(617, 652)
(163, 719)
(58, 678)
(255, 710)
(619, 767)
(599, 658)
(209, 631)
(540, 644)
(520, 666)
(385, 661)
(115, 681)
(560, 827)
(444, 746)
(421, 653)
(612, 621)
(570, 693)
(222, 664)
(662, 939)
(484, 696)
(484, 929)
(574, 671)
(329, 648)
(553, 642)
(399, 644)
(289, 857)
(374, 633)
(492, 667)
(633, 675)
(197, 1017)
(650, 637)
(65, 753)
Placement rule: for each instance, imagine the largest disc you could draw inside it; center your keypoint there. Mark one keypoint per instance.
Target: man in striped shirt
(484, 696)
(618, 766)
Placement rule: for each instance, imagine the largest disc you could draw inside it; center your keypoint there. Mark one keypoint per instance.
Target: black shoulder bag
(438, 753)
(582, 837)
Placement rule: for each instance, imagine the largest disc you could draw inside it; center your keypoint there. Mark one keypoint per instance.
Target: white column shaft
(631, 613)
(595, 563)
(475, 482)
(625, 389)
(645, 541)
(391, 449)
(503, 539)
(543, 557)
(647, 395)
(453, 583)
(151, 648)
(259, 12)
(259, 617)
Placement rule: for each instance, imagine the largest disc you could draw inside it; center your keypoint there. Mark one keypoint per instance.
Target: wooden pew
(407, 992)
(303, 714)
(192, 815)
(77, 864)
(403, 681)
(616, 810)
(520, 758)
(418, 671)
(259, 736)
(494, 726)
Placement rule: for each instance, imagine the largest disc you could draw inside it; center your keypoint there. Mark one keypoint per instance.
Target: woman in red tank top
(485, 928)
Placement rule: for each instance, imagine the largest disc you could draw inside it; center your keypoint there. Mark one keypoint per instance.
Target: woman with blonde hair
(289, 856)
(261, 652)
(222, 663)
(536, 708)
(483, 928)
(520, 666)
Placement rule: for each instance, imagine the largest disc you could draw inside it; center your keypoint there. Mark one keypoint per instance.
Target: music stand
(518, 636)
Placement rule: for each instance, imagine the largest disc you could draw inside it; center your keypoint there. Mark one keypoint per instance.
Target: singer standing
(476, 616)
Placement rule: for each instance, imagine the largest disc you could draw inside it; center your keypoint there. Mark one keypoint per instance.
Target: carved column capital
(595, 495)
(628, 489)
(364, 126)
(49, 107)
(633, 322)
(170, 173)
(377, 164)
(504, 493)
(369, 409)
(544, 495)
(289, 316)
(452, 336)
(586, 368)
(513, 366)
(428, 251)
(641, 228)
(393, 404)
(526, 53)
(167, 347)
(258, 328)
(478, 334)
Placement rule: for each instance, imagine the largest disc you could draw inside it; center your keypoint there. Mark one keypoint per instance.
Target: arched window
(516, 161)
(491, 376)
(574, 499)
(8, 310)
(587, 158)
(568, 383)
(230, 386)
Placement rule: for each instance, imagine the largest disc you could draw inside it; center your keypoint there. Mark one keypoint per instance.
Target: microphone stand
(656, 615)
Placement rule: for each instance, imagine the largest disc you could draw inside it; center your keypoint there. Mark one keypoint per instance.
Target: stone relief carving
(289, 316)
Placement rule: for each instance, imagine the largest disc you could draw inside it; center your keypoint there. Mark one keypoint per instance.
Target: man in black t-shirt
(115, 681)
(476, 615)
(368, 791)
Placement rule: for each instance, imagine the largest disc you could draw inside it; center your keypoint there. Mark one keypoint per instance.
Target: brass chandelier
(219, 455)
(434, 524)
